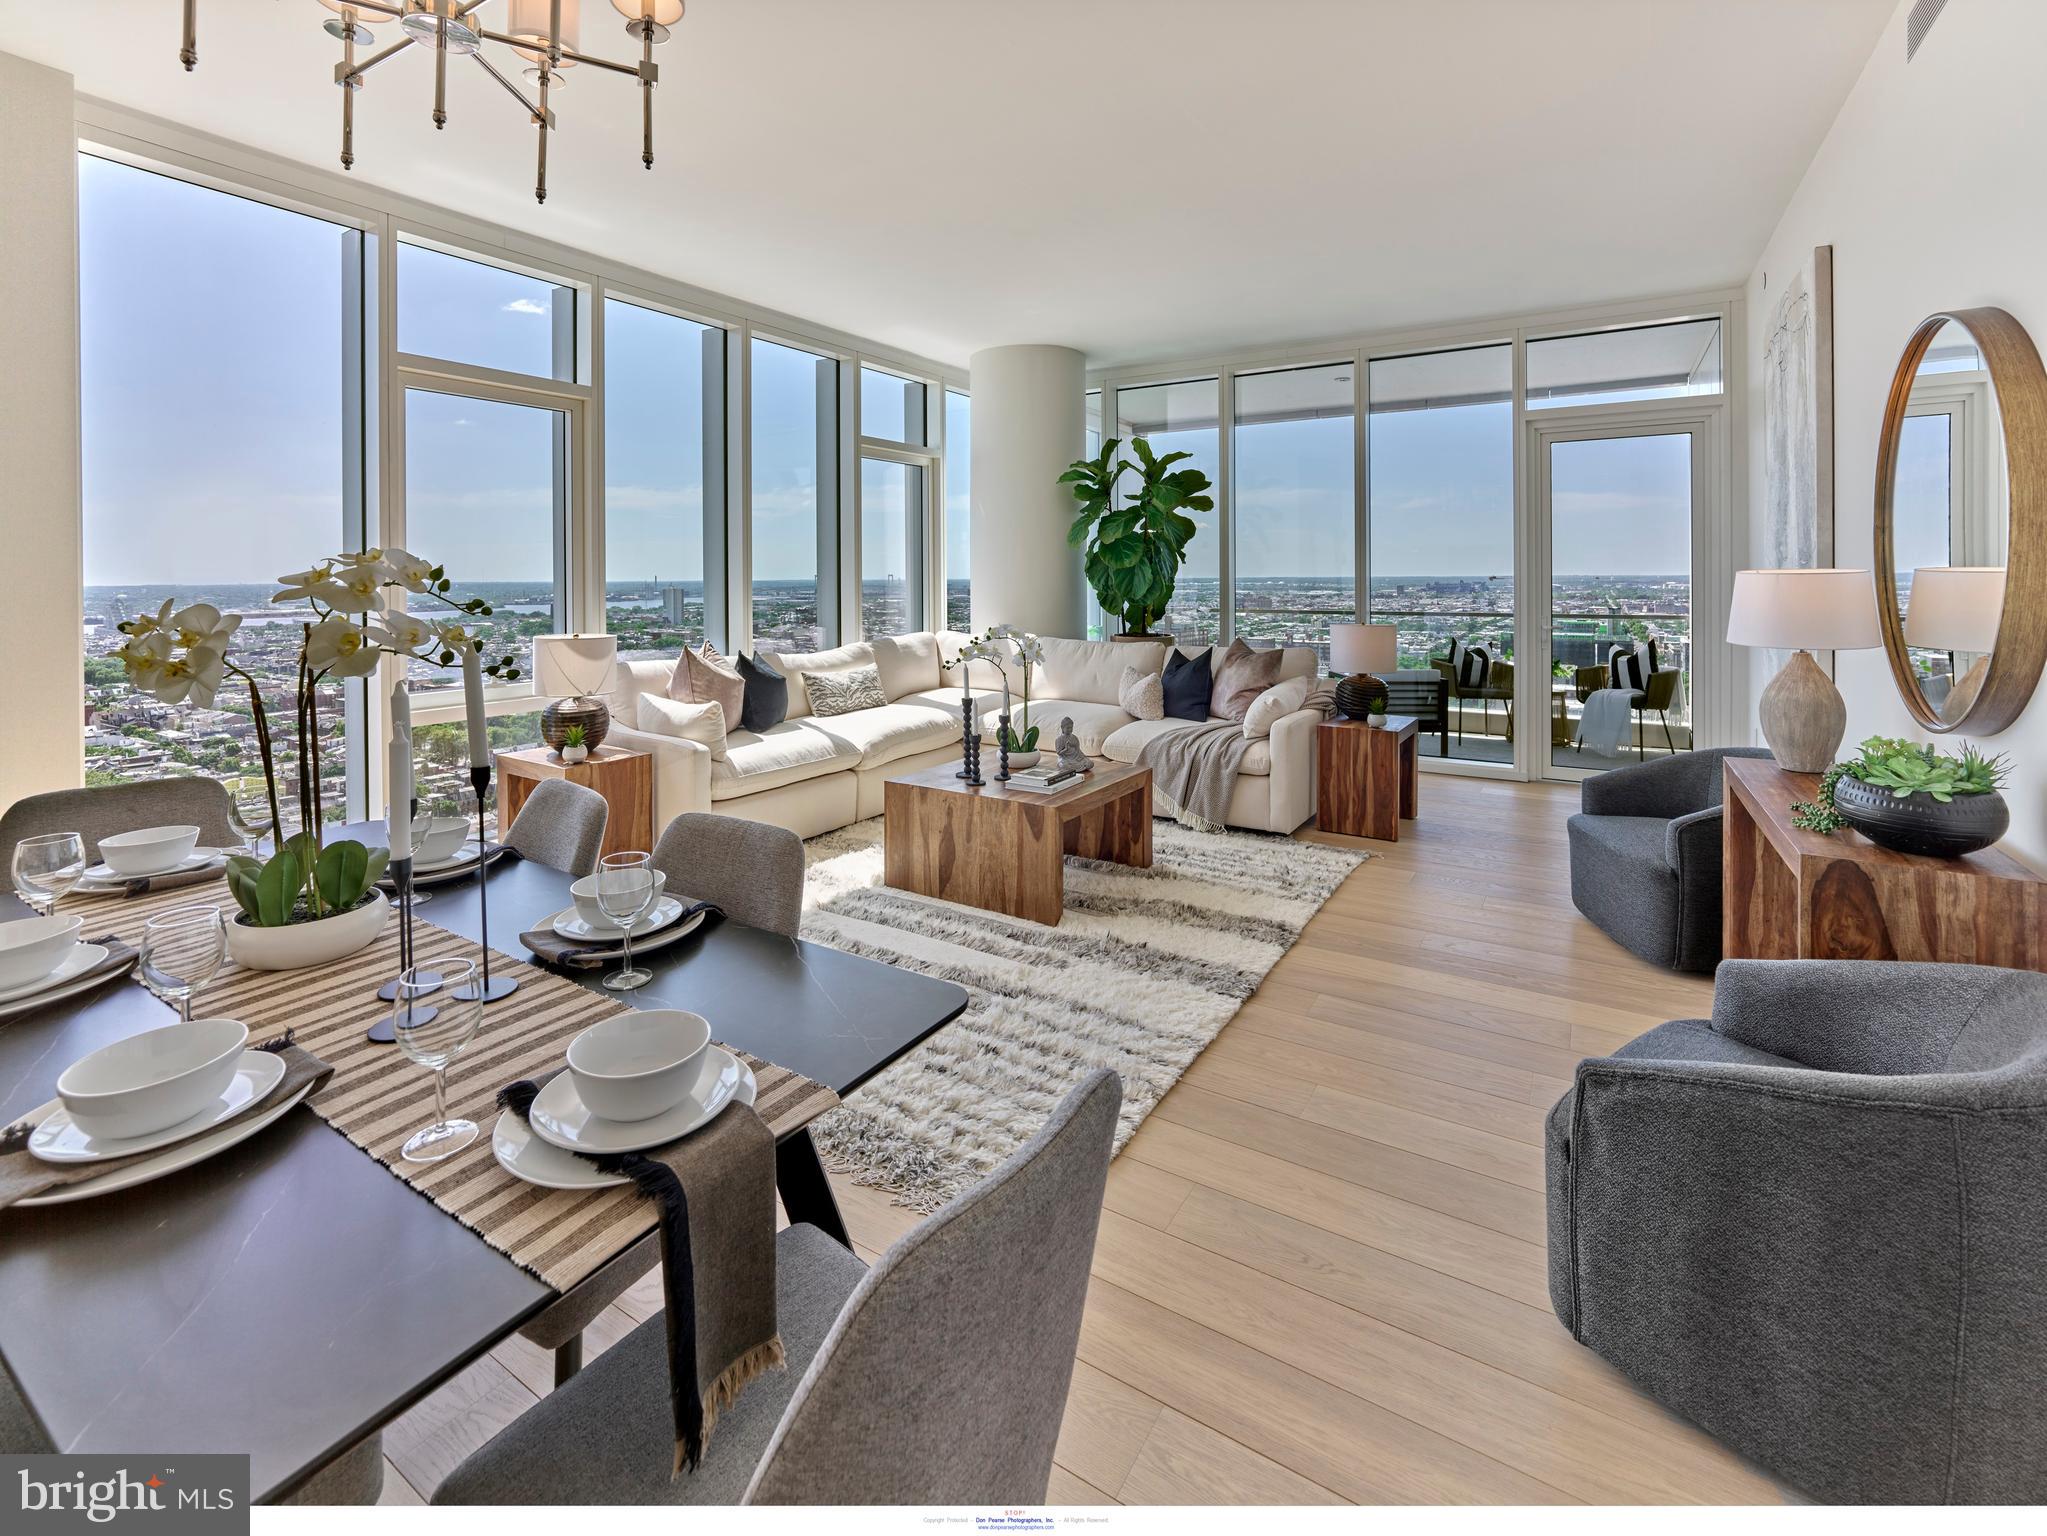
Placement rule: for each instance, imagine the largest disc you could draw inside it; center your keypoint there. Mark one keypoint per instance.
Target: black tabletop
(289, 1296)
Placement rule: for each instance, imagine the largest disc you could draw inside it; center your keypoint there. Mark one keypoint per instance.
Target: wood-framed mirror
(1961, 521)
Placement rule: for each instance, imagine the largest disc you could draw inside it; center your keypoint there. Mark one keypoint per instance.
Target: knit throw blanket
(1194, 767)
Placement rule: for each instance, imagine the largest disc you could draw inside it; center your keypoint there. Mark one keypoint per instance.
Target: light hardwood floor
(1320, 1272)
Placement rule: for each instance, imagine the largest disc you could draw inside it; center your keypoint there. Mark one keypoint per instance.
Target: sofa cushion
(893, 731)
(1189, 683)
(703, 723)
(844, 693)
(907, 663)
(1092, 723)
(1125, 743)
(1696, 1040)
(947, 700)
(705, 677)
(794, 664)
(767, 695)
(1092, 670)
(787, 753)
(632, 679)
(1142, 694)
(1241, 675)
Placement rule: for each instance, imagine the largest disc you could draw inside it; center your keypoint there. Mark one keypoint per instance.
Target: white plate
(171, 1159)
(526, 1156)
(58, 1139)
(83, 957)
(570, 926)
(101, 878)
(466, 855)
(560, 1116)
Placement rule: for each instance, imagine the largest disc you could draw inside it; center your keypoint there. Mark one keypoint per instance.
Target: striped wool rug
(1145, 969)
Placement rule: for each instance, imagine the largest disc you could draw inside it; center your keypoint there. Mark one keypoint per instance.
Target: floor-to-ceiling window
(794, 508)
(1294, 460)
(895, 511)
(221, 449)
(664, 487)
(959, 509)
(1184, 417)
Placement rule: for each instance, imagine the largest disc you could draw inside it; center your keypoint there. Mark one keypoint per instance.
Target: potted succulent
(575, 745)
(1913, 798)
(1134, 552)
(310, 901)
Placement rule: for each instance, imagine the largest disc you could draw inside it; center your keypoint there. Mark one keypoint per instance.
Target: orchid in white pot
(1019, 742)
(182, 654)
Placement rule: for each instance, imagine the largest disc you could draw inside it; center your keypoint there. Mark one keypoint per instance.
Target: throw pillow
(1142, 695)
(1624, 669)
(1243, 675)
(704, 723)
(840, 693)
(1187, 685)
(1273, 706)
(1474, 666)
(767, 695)
(705, 677)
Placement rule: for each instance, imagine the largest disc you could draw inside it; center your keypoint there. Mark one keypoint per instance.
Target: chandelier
(544, 33)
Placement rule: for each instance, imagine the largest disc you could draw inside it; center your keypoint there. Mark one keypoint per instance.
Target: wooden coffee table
(1005, 849)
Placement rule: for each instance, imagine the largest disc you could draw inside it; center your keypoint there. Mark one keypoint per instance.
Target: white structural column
(43, 687)
(1029, 405)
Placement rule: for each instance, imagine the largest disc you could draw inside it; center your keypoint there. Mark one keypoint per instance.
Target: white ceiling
(1137, 178)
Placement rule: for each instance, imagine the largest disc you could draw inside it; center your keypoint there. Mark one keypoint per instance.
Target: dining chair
(752, 870)
(560, 825)
(105, 809)
(932, 1378)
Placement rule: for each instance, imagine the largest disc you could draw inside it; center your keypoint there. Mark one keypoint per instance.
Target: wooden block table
(1788, 894)
(624, 778)
(1005, 849)
(1366, 778)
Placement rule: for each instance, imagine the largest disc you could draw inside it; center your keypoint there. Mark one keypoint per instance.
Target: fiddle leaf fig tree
(1134, 551)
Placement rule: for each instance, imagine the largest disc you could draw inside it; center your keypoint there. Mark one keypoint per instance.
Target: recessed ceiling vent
(1924, 14)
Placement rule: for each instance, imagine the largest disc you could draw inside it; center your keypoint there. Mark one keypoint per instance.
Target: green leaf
(277, 890)
(1144, 452)
(379, 858)
(341, 872)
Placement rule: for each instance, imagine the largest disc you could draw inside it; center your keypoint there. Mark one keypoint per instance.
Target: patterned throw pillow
(840, 693)
(1242, 676)
(1142, 695)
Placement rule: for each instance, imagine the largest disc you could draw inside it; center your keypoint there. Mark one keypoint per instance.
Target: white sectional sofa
(815, 774)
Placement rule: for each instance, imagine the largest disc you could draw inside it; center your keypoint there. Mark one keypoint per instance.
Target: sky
(212, 348)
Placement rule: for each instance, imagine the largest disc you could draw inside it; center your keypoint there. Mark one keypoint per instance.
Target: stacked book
(1045, 777)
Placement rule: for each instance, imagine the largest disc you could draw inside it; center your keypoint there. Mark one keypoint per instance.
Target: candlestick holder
(486, 988)
(428, 980)
(1002, 748)
(970, 744)
(381, 1032)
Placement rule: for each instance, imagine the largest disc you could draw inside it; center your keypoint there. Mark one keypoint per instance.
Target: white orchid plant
(180, 655)
(1021, 736)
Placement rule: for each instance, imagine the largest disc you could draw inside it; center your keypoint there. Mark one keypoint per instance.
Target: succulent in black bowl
(1909, 797)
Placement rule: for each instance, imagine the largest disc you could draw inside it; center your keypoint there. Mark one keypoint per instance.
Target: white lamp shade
(1955, 607)
(1806, 610)
(1363, 648)
(531, 18)
(666, 12)
(566, 666)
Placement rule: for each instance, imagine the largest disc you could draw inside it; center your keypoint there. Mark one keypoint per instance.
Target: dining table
(288, 1296)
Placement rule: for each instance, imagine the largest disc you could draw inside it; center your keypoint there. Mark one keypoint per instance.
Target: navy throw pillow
(1188, 685)
(767, 696)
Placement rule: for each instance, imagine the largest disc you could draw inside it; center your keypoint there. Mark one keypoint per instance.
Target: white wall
(1029, 424)
(1929, 188)
(40, 687)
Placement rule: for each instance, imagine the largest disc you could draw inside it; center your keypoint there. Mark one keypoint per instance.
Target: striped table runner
(378, 1097)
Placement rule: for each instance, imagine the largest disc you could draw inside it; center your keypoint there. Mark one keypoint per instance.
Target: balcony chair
(932, 1378)
(1813, 1225)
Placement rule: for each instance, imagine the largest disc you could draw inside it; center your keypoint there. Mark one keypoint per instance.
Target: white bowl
(436, 839)
(592, 912)
(32, 947)
(148, 851)
(638, 1065)
(149, 1081)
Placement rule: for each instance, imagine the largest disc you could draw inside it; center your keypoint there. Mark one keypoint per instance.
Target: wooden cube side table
(623, 777)
(1367, 778)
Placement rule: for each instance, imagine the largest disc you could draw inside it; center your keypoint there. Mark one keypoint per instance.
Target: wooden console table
(1788, 894)
(1366, 779)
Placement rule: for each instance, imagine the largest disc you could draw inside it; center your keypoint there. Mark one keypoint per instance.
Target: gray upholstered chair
(1817, 1225)
(937, 1377)
(560, 825)
(106, 809)
(752, 870)
(1645, 856)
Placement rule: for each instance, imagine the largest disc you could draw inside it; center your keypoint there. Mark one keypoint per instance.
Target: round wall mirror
(1961, 521)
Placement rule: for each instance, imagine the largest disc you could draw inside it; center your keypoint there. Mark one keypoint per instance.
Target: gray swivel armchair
(1817, 1224)
(1645, 856)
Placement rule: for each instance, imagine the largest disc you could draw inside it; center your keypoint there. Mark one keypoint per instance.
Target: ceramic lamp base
(1361, 695)
(593, 715)
(1804, 716)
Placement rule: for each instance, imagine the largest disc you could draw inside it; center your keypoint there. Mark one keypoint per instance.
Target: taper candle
(472, 706)
(398, 793)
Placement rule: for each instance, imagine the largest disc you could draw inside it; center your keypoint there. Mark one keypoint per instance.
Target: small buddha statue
(1067, 745)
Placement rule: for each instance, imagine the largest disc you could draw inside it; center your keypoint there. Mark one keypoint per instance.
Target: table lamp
(1804, 715)
(570, 669)
(1957, 608)
(1357, 651)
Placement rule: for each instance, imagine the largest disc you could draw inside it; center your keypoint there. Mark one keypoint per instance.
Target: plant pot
(1145, 639)
(1023, 760)
(574, 754)
(298, 945)
(1918, 823)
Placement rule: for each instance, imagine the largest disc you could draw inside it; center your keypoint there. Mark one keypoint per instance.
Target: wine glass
(249, 815)
(46, 867)
(625, 889)
(434, 1037)
(182, 949)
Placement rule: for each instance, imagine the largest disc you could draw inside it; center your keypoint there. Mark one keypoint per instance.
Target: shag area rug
(1146, 968)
